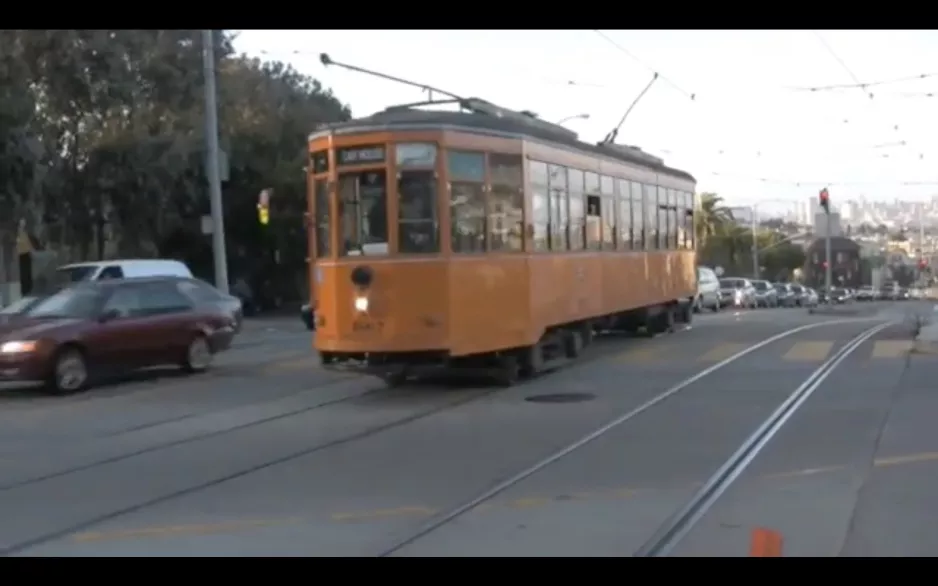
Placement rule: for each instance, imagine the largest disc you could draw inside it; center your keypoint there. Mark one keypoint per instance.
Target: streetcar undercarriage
(558, 346)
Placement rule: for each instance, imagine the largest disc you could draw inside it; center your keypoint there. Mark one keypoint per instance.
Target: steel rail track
(449, 516)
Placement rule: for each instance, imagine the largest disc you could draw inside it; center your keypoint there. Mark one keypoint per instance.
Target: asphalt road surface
(269, 455)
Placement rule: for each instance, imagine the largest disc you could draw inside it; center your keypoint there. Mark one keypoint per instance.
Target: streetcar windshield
(363, 201)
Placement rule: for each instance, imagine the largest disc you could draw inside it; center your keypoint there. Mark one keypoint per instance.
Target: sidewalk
(895, 512)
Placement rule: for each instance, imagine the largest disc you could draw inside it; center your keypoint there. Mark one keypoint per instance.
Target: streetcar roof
(514, 125)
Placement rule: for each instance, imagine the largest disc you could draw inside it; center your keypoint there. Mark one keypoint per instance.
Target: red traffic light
(922, 263)
(824, 265)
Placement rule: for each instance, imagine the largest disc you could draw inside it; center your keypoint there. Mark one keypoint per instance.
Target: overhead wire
(862, 85)
(651, 69)
(857, 84)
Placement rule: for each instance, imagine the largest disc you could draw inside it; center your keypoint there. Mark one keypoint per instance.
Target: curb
(926, 347)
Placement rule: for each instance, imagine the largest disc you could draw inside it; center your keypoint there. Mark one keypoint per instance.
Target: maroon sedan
(105, 326)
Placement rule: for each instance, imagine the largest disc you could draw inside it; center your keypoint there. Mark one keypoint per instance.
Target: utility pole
(755, 245)
(212, 161)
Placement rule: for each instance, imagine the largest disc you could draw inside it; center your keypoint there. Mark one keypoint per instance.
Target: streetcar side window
(650, 199)
(638, 217)
(559, 217)
(689, 227)
(540, 206)
(594, 235)
(506, 202)
(321, 210)
(576, 228)
(467, 200)
(418, 224)
(662, 198)
(625, 214)
(608, 209)
(673, 231)
(363, 201)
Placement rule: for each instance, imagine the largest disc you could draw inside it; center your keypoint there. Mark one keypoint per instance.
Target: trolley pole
(211, 162)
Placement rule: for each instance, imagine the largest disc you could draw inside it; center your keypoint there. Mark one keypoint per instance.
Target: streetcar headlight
(361, 304)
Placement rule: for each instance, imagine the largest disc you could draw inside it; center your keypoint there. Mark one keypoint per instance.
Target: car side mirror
(108, 315)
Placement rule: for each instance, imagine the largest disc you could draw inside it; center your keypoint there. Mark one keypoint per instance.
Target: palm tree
(712, 217)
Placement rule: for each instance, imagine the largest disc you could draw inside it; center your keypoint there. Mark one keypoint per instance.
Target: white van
(122, 269)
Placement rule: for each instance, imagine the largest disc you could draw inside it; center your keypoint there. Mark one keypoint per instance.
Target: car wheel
(69, 371)
(198, 355)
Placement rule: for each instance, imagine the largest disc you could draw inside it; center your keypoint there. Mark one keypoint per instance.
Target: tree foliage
(102, 149)
(723, 242)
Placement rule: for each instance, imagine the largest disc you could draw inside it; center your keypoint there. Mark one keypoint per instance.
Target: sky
(728, 106)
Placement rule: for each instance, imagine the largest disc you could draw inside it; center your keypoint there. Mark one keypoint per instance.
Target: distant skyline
(749, 134)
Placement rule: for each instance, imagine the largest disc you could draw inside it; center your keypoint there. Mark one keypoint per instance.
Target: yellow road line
(808, 351)
(722, 351)
(891, 348)
(176, 530)
(417, 511)
(304, 362)
(645, 354)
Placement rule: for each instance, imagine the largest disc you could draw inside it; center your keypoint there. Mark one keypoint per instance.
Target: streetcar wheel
(533, 361)
(687, 313)
(395, 379)
(574, 343)
(509, 371)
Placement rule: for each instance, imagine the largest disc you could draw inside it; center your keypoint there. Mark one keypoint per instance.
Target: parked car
(903, 295)
(78, 333)
(708, 290)
(765, 293)
(865, 293)
(121, 269)
(840, 295)
(798, 291)
(786, 296)
(811, 298)
(737, 292)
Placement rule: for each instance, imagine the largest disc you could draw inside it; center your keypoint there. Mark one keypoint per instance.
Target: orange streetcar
(488, 239)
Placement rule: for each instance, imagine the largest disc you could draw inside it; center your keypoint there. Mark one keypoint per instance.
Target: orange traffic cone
(765, 543)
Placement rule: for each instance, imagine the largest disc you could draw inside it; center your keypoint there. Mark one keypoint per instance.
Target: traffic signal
(824, 198)
(263, 207)
(824, 265)
(922, 264)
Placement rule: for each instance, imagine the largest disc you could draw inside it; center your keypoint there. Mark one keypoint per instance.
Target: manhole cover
(561, 398)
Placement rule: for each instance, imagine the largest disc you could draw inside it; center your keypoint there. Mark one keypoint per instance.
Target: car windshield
(730, 283)
(75, 303)
(780, 287)
(760, 285)
(75, 274)
(19, 306)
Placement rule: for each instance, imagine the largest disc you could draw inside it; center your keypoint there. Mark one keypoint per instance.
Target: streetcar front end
(377, 271)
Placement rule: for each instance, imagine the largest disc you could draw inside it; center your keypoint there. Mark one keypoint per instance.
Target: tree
(102, 151)
(712, 217)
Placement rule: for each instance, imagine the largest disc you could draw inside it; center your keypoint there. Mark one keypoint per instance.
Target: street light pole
(828, 274)
(755, 246)
(212, 161)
